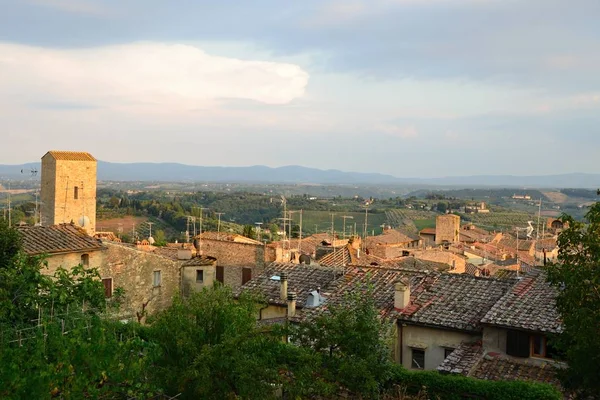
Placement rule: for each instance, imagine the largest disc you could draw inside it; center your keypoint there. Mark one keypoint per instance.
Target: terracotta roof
(200, 262)
(228, 237)
(529, 305)
(71, 155)
(338, 258)
(380, 280)
(302, 279)
(496, 367)
(462, 360)
(469, 360)
(308, 245)
(548, 244)
(510, 243)
(409, 262)
(427, 231)
(455, 301)
(57, 239)
(390, 236)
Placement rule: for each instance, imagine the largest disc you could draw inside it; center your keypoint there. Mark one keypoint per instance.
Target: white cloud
(405, 132)
(72, 6)
(171, 77)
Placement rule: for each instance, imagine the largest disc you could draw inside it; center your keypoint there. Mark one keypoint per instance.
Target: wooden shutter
(220, 274)
(246, 275)
(517, 343)
(107, 287)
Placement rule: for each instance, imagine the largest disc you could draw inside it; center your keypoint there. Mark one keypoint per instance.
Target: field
(321, 220)
(412, 220)
(125, 225)
(500, 220)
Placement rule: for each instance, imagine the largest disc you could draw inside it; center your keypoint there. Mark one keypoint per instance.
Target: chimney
(291, 305)
(401, 295)
(284, 284)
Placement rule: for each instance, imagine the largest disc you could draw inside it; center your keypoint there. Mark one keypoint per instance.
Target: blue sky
(412, 88)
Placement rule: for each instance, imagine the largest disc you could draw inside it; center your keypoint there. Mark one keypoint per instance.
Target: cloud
(405, 132)
(72, 6)
(167, 76)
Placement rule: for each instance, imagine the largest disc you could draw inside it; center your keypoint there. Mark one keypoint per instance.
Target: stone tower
(447, 228)
(69, 189)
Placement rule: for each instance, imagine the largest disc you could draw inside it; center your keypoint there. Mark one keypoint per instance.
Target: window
(157, 279)
(107, 283)
(418, 359)
(447, 352)
(220, 274)
(85, 260)
(246, 275)
(540, 347)
(199, 276)
(517, 343)
(75, 192)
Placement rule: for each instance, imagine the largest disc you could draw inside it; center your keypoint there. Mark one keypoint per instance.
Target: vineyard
(500, 220)
(412, 220)
(320, 221)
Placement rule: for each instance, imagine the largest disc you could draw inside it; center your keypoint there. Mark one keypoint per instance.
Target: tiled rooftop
(229, 237)
(462, 360)
(455, 301)
(57, 239)
(200, 262)
(469, 360)
(338, 258)
(71, 155)
(302, 279)
(529, 305)
(388, 237)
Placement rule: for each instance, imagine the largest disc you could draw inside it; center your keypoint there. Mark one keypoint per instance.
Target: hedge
(451, 387)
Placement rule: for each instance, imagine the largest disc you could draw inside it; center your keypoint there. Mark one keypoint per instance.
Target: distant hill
(172, 172)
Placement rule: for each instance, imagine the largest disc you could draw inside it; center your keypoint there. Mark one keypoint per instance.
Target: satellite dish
(84, 221)
(150, 240)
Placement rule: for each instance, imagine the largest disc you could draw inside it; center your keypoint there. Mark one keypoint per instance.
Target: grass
(424, 223)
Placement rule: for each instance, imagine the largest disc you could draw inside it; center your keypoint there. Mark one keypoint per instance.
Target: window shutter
(517, 343)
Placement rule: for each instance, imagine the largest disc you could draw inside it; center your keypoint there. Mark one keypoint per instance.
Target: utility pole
(150, 229)
(219, 224)
(300, 236)
(344, 228)
(133, 233)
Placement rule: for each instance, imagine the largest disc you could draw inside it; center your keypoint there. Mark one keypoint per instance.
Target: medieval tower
(68, 191)
(447, 228)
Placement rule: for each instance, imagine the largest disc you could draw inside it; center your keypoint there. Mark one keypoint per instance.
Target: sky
(411, 88)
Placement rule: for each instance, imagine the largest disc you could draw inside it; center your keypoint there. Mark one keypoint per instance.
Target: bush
(460, 387)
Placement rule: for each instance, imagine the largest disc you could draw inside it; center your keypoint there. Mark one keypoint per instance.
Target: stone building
(198, 273)
(68, 191)
(447, 229)
(392, 243)
(149, 279)
(239, 258)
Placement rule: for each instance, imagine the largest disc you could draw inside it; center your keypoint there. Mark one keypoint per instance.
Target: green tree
(160, 239)
(353, 343)
(249, 232)
(577, 277)
(211, 347)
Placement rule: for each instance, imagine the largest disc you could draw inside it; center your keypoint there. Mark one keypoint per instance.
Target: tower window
(76, 192)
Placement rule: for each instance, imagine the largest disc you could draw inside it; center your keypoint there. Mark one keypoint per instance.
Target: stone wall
(61, 201)
(188, 278)
(235, 257)
(133, 270)
(70, 260)
(433, 341)
(447, 228)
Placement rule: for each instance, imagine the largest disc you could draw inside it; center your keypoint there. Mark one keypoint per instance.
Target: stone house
(238, 258)
(198, 273)
(437, 312)
(392, 243)
(149, 280)
(515, 336)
